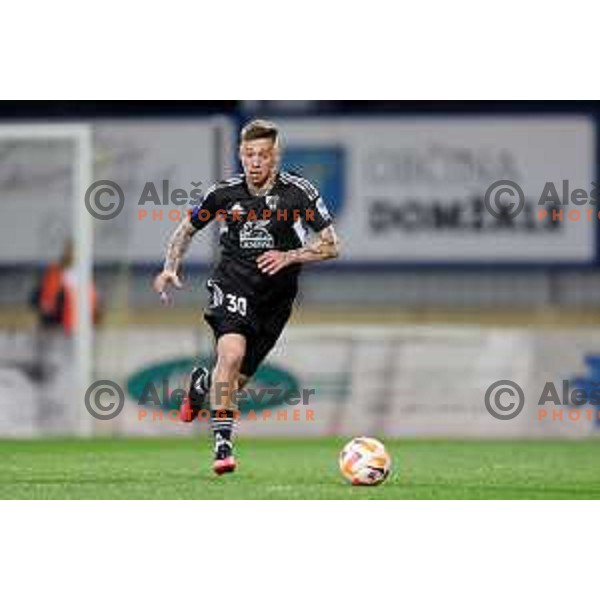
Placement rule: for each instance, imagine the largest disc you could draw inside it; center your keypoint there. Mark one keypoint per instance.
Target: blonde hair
(259, 129)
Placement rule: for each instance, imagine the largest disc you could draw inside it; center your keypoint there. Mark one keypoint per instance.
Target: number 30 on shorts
(236, 304)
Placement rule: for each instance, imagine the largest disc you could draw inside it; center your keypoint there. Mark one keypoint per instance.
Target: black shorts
(256, 309)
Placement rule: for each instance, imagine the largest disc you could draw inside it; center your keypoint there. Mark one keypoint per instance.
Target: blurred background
(433, 299)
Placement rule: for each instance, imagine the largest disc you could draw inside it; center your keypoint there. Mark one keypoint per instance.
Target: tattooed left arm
(325, 247)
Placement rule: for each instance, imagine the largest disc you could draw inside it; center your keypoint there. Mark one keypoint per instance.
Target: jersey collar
(264, 192)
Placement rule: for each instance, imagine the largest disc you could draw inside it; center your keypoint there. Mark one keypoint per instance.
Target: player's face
(259, 159)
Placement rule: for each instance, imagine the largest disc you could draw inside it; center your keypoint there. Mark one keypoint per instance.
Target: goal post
(83, 239)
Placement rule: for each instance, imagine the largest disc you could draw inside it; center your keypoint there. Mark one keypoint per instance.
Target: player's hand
(162, 284)
(273, 261)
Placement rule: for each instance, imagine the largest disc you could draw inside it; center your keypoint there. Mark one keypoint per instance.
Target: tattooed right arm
(178, 245)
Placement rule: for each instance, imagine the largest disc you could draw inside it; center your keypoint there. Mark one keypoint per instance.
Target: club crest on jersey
(255, 234)
(272, 202)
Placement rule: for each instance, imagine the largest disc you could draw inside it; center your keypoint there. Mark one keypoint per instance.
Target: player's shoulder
(225, 184)
(300, 183)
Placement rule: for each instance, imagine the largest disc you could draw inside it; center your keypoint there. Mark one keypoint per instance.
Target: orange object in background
(55, 300)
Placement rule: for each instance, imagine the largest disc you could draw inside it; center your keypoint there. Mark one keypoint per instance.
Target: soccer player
(263, 214)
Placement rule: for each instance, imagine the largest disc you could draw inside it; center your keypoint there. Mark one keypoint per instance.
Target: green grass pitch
(296, 469)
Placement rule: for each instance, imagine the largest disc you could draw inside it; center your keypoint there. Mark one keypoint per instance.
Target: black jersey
(250, 225)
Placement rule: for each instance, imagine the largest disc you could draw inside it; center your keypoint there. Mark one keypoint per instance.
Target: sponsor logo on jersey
(255, 234)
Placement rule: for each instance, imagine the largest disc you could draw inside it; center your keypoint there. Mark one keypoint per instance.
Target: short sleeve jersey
(250, 225)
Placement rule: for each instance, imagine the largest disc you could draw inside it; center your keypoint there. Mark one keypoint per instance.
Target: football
(365, 461)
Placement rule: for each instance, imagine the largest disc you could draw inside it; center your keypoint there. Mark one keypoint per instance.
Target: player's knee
(230, 360)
